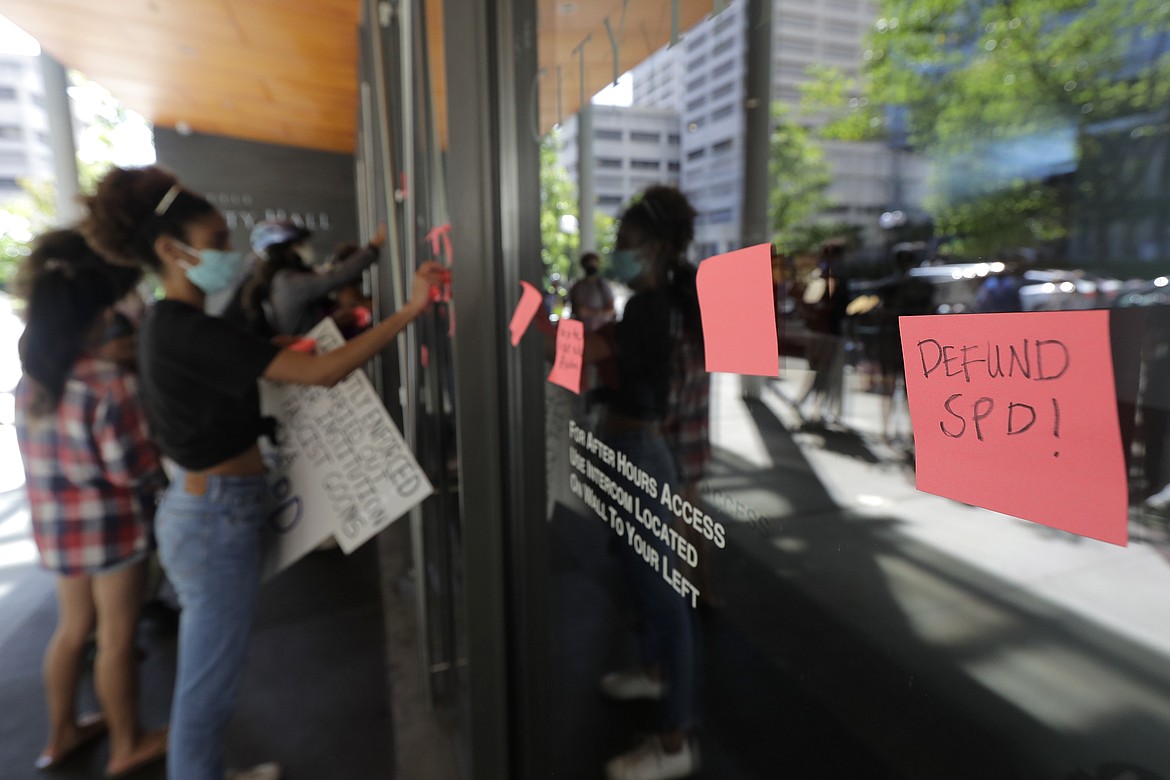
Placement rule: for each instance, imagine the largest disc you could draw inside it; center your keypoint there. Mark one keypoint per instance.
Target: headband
(167, 200)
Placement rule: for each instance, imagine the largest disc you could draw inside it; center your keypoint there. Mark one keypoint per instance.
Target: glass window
(722, 112)
(722, 46)
(722, 68)
(673, 138)
(791, 21)
(1008, 161)
(11, 132)
(645, 137)
(609, 162)
(796, 46)
(645, 165)
(7, 93)
(606, 134)
(697, 103)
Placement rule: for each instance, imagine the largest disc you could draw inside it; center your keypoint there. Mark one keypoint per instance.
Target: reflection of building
(24, 125)
(703, 77)
(633, 148)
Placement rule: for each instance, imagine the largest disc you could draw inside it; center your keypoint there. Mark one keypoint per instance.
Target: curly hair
(665, 214)
(68, 246)
(65, 302)
(132, 207)
(258, 287)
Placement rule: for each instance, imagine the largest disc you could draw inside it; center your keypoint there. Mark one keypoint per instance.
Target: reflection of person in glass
(901, 295)
(824, 302)
(590, 298)
(662, 314)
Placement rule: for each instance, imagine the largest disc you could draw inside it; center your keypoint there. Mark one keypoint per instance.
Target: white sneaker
(631, 684)
(268, 771)
(649, 761)
(1160, 501)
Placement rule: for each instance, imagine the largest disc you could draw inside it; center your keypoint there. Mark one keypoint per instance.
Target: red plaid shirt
(688, 414)
(91, 470)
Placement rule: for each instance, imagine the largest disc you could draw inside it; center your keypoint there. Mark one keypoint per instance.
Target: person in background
(825, 299)
(199, 375)
(91, 475)
(646, 348)
(590, 298)
(901, 295)
(284, 296)
(352, 309)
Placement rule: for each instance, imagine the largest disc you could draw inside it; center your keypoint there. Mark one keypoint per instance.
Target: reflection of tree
(1010, 98)
(558, 199)
(800, 177)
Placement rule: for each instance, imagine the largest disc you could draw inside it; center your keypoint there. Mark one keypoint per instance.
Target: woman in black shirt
(198, 377)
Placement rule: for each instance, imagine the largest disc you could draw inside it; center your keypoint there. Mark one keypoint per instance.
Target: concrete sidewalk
(315, 697)
(1058, 646)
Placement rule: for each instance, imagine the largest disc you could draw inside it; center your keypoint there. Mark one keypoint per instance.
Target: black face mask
(591, 270)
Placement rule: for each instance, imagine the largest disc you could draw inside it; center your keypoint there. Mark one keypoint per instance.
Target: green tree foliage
(800, 178)
(558, 199)
(1008, 98)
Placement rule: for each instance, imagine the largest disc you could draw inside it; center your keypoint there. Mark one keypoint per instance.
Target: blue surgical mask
(217, 268)
(626, 265)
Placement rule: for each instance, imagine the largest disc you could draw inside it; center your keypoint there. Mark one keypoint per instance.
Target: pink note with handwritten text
(1018, 413)
(739, 314)
(525, 311)
(570, 357)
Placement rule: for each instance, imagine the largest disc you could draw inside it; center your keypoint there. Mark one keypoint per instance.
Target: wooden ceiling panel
(280, 71)
(572, 33)
(285, 71)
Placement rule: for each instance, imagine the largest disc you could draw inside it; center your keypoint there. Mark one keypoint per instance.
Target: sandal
(89, 727)
(154, 748)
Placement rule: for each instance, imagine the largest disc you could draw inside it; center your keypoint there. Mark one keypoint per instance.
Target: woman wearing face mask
(660, 325)
(199, 376)
(284, 295)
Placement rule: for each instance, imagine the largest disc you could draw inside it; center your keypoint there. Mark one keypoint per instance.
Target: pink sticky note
(525, 310)
(739, 314)
(1018, 413)
(566, 370)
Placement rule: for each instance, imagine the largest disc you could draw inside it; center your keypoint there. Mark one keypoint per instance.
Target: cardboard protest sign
(343, 468)
(570, 357)
(1018, 413)
(525, 310)
(739, 312)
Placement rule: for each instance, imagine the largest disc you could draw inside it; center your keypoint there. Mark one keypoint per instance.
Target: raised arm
(331, 367)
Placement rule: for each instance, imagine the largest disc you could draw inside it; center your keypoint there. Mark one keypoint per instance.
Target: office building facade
(25, 150)
(703, 78)
(634, 147)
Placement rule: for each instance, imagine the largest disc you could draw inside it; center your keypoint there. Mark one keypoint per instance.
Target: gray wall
(252, 181)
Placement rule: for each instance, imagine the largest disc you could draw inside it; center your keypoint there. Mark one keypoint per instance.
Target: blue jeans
(210, 548)
(667, 637)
